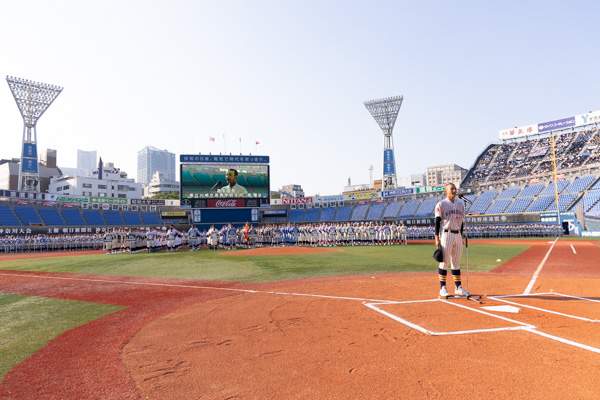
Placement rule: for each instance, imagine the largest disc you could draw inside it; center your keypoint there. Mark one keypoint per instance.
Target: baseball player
(449, 215)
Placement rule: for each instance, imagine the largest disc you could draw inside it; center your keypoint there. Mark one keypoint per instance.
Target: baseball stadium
(323, 297)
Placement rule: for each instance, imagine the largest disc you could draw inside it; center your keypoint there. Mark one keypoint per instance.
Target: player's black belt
(446, 230)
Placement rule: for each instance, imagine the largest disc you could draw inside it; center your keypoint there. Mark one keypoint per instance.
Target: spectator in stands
(232, 189)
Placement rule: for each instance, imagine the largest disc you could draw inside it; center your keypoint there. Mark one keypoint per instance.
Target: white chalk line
(573, 248)
(524, 327)
(539, 269)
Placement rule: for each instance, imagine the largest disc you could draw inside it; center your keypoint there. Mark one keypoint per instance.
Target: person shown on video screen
(232, 189)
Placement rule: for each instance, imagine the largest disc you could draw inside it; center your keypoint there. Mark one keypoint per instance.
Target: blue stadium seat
(312, 215)
(28, 215)
(150, 218)
(392, 209)
(426, 208)
(327, 214)
(375, 211)
(343, 213)
(564, 200)
(73, 217)
(519, 205)
(409, 209)
(590, 199)
(540, 204)
(561, 184)
(531, 190)
(579, 184)
(509, 193)
(481, 204)
(8, 217)
(113, 217)
(498, 206)
(132, 218)
(51, 216)
(93, 217)
(359, 212)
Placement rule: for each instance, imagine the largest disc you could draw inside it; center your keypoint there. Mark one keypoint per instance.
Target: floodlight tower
(33, 99)
(385, 111)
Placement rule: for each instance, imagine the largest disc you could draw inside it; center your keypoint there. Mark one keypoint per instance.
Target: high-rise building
(87, 161)
(443, 174)
(151, 160)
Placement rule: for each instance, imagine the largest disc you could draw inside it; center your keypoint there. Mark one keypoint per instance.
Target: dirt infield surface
(364, 337)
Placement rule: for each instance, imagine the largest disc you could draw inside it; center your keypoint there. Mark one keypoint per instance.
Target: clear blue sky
(293, 75)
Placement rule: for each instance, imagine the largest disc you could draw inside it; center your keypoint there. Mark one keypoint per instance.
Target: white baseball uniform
(452, 215)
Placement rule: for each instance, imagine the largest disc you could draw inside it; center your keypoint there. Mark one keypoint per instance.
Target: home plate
(510, 309)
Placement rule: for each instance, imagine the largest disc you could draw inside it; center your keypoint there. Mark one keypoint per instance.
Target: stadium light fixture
(33, 99)
(385, 111)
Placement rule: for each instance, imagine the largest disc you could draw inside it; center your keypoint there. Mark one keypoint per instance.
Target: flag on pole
(212, 139)
(257, 142)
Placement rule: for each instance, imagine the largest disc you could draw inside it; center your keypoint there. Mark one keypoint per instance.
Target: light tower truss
(33, 99)
(385, 112)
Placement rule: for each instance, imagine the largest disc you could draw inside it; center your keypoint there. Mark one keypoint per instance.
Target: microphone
(215, 185)
(462, 197)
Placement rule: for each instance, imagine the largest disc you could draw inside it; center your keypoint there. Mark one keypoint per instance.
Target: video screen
(224, 185)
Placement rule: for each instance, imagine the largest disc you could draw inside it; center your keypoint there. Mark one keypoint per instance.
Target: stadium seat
(359, 212)
(113, 217)
(73, 217)
(409, 209)
(519, 205)
(327, 214)
(28, 215)
(93, 217)
(343, 213)
(312, 215)
(426, 208)
(51, 216)
(132, 218)
(8, 217)
(392, 209)
(375, 211)
(150, 218)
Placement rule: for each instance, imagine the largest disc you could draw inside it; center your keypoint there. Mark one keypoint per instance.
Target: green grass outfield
(219, 265)
(27, 323)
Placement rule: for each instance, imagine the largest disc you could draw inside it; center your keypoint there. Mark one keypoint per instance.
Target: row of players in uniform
(50, 242)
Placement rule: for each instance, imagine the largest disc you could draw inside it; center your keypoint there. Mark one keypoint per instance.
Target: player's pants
(452, 247)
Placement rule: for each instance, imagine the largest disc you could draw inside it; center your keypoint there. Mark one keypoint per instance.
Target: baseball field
(302, 323)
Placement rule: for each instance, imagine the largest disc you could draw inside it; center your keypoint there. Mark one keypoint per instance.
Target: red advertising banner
(226, 203)
(298, 200)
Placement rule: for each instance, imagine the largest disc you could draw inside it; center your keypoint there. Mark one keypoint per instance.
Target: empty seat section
(360, 211)
(519, 205)
(426, 208)
(498, 206)
(509, 193)
(51, 216)
(343, 213)
(579, 184)
(409, 209)
(73, 217)
(564, 200)
(93, 217)
(28, 215)
(150, 218)
(375, 211)
(532, 190)
(296, 215)
(392, 210)
(327, 214)
(481, 204)
(312, 215)
(132, 218)
(113, 217)
(590, 198)
(8, 217)
(540, 204)
(560, 184)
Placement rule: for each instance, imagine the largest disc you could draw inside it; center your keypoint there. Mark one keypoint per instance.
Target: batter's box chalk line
(520, 325)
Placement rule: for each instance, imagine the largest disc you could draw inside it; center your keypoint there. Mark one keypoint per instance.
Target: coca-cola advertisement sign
(226, 203)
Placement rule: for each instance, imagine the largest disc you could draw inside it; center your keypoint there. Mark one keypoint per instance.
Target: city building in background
(443, 174)
(151, 160)
(9, 171)
(87, 162)
(112, 184)
(291, 191)
(159, 184)
(414, 180)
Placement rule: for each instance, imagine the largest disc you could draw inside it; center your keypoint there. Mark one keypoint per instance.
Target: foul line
(539, 269)
(572, 247)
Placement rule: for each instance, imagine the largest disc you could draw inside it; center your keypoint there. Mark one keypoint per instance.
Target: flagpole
(240, 145)
(225, 140)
